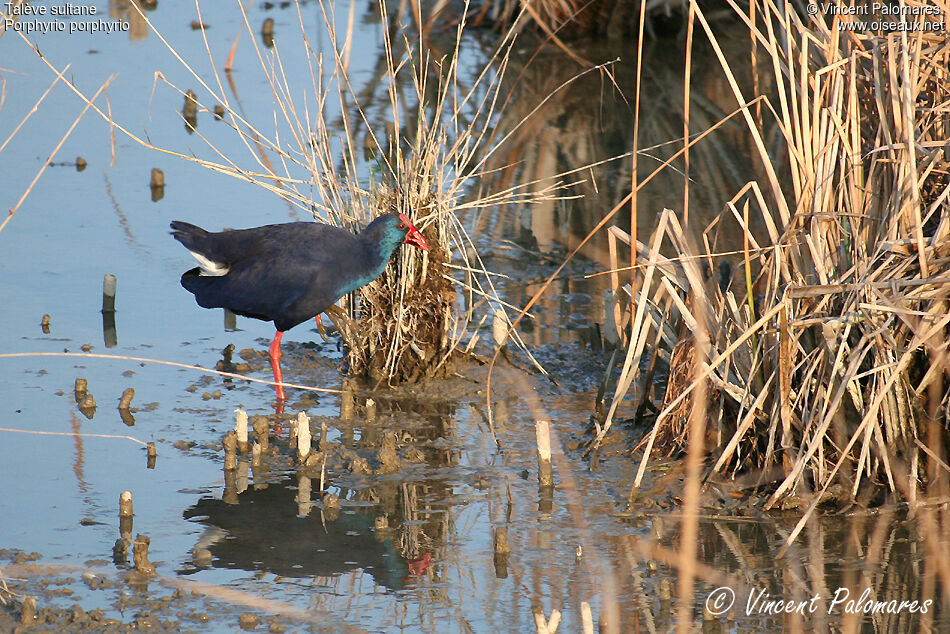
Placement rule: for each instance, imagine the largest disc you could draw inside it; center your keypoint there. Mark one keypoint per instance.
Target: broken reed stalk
(108, 293)
(28, 611)
(545, 472)
(347, 400)
(499, 328)
(822, 364)
(126, 518)
(230, 444)
(546, 625)
(125, 401)
(125, 504)
(587, 619)
(240, 428)
(262, 431)
(303, 436)
(140, 555)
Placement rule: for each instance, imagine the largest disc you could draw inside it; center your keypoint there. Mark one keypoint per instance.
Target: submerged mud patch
(43, 596)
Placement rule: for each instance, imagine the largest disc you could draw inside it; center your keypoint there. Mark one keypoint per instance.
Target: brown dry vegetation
(827, 355)
(824, 361)
(385, 325)
(572, 19)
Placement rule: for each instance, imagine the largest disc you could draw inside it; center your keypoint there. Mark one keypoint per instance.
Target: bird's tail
(196, 240)
(188, 234)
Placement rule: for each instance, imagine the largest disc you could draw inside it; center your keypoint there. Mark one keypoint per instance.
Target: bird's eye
(402, 227)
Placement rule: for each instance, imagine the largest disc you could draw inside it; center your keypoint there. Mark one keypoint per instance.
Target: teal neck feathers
(379, 240)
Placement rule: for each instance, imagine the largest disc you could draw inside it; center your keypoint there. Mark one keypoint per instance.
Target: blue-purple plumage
(286, 273)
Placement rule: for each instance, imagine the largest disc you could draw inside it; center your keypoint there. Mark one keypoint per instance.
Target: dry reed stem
(35, 107)
(184, 366)
(52, 154)
(696, 445)
(72, 434)
(604, 222)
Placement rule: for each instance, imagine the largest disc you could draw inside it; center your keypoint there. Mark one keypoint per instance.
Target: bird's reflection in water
(392, 528)
(264, 532)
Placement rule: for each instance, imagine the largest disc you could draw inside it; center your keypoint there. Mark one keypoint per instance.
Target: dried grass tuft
(408, 313)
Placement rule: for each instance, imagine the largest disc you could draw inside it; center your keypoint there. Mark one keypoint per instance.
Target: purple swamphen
(288, 273)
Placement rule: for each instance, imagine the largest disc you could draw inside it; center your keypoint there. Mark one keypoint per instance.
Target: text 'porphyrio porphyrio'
(288, 273)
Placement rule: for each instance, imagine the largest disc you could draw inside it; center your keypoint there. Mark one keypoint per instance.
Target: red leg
(274, 353)
(318, 321)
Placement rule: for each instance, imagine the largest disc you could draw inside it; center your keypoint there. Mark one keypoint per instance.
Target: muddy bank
(45, 597)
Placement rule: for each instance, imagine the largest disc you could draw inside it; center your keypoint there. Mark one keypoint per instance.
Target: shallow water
(275, 550)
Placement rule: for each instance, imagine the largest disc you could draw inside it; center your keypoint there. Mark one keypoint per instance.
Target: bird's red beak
(413, 235)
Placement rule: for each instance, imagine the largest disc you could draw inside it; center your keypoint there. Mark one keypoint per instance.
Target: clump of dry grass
(828, 357)
(392, 342)
(441, 137)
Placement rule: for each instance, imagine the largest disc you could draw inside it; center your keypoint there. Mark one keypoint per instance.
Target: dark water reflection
(566, 546)
(271, 528)
(591, 120)
(848, 573)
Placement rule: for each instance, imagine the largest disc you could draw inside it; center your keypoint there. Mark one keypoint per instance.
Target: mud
(36, 598)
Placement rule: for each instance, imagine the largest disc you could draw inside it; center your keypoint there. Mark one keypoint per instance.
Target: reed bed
(824, 352)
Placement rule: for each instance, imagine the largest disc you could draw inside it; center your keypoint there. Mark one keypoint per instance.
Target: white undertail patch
(210, 267)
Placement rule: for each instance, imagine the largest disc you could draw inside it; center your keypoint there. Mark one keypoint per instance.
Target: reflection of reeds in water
(830, 361)
(571, 19)
(874, 555)
(132, 12)
(582, 134)
(630, 574)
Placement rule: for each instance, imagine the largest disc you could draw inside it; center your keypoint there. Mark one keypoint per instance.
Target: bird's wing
(285, 291)
(287, 273)
(295, 240)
